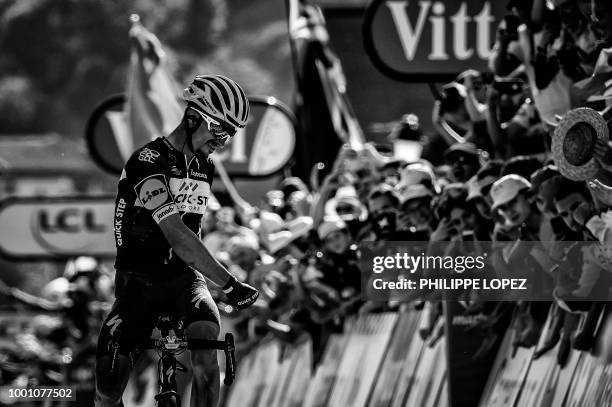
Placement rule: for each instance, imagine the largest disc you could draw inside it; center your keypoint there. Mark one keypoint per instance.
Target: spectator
(464, 160)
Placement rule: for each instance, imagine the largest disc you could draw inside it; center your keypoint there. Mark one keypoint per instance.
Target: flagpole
(293, 50)
(298, 102)
(246, 209)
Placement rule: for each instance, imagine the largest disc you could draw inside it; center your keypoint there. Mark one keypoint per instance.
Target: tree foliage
(60, 58)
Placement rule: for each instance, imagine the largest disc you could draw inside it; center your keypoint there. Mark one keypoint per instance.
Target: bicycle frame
(169, 345)
(167, 365)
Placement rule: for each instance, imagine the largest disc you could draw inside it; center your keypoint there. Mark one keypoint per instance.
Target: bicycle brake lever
(230, 360)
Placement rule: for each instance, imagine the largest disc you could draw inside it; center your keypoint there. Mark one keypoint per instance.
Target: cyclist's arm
(191, 250)
(150, 183)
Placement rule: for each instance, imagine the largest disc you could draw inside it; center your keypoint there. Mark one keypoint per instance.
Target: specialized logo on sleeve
(148, 155)
(152, 191)
(114, 323)
(190, 195)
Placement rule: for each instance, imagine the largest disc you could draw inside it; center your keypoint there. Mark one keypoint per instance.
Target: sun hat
(507, 188)
(574, 141)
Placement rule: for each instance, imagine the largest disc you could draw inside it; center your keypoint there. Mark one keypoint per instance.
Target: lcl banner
(416, 40)
(50, 228)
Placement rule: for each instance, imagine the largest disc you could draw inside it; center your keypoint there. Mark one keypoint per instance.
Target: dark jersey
(156, 182)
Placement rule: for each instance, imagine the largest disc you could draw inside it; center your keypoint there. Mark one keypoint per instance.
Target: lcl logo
(69, 220)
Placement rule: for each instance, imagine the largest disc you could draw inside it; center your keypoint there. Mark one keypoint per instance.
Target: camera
(508, 86)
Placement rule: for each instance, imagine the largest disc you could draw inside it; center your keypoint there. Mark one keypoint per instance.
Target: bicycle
(171, 344)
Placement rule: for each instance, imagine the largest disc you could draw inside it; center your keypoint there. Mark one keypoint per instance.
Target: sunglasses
(345, 209)
(217, 129)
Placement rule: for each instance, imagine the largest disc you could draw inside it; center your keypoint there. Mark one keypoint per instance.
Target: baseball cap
(330, 225)
(415, 192)
(467, 148)
(507, 188)
(416, 173)
(542, 175)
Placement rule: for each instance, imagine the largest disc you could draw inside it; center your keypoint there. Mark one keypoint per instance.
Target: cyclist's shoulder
(153, 156)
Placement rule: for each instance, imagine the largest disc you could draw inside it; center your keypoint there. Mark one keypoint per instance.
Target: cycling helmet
(218, 97)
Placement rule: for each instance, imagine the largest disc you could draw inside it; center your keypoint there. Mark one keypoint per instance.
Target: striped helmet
(218, 97)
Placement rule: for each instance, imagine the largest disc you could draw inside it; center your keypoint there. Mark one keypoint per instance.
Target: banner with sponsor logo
(262, 148)
(424, 40)
(44, 228)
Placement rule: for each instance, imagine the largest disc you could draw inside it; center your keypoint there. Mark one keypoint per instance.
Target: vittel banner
(407, 39)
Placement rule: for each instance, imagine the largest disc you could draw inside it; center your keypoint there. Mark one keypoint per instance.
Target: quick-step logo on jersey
(190, 195)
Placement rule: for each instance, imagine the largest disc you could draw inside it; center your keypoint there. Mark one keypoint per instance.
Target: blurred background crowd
(511, 160)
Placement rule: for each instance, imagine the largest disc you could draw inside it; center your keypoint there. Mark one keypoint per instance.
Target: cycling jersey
(156, 182)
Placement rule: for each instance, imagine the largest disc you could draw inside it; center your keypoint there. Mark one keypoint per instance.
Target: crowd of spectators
(492, 174)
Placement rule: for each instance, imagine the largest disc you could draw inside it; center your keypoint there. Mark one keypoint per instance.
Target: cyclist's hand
(240, 295)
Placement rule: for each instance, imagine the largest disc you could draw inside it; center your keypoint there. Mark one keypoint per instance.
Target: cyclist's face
(211, 135)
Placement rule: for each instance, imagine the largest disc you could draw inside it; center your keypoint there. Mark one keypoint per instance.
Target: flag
(325, 117)
(152, 108)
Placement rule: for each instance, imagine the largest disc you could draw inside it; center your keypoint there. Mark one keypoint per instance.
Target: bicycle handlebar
(227, 346)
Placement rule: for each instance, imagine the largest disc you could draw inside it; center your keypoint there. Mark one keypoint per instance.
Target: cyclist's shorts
(139, 304)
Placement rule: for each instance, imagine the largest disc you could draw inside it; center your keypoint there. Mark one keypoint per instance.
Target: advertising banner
(416, 40)
(49, 228)
(260, 149)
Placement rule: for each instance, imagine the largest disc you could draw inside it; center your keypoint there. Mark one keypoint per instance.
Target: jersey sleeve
(147, 172)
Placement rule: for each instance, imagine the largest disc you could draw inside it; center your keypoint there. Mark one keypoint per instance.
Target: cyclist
(161, 262)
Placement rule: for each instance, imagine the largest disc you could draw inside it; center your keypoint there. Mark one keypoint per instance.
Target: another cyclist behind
(161, 262)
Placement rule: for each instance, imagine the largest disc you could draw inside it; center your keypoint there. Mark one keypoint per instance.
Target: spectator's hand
(403, 221)
(331, 181)
(369, 152)
(468, 80)
(601, 191)
(442, 232)
(345, 155)
(503, 38)
(603, 154)
(583, 212)
(492, 96)
(368, 307)
(547, 38)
